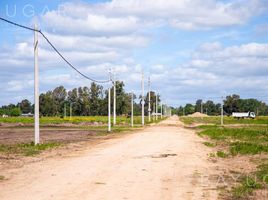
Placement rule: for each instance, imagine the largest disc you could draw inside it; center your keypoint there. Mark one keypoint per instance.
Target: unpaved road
(161, 162)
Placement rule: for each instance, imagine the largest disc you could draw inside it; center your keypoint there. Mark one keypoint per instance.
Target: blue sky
(191, 49)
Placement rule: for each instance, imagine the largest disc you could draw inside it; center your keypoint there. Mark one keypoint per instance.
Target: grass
(244, 148)
(245, 188)
(221, 154)
(227, 120)
(208, 144)
(250, 140)
(262, 173)
(244, 140)
(27, 149)
(73, 120)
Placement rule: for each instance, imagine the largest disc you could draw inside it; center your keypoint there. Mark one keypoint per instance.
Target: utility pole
(114, 100)
(142, 98)
(149, 103)
(156, 107)
(222, 112)
(201, 107)
(109, 109)
(132, 109)
(36, 89)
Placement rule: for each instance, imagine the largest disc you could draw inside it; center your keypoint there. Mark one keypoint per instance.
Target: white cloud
(123, 17)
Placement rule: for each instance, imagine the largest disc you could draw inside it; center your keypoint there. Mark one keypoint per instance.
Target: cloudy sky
(191, 48)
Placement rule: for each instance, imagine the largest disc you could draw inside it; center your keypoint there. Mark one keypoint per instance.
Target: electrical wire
(57, 51)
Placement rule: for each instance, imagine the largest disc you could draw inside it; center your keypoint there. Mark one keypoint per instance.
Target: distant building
(27, 115)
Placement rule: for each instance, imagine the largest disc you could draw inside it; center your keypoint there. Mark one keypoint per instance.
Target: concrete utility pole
(201, 107)
(149, 103)
(109, 109)
(114, 100)
(156, 107)
(36, 89)
(222, 112)
(142, 98)
(132, 109)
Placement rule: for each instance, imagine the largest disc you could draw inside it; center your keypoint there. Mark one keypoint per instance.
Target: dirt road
(161, 162)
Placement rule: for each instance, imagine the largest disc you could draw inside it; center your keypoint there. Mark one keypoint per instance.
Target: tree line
(231, 103)
(81, 101)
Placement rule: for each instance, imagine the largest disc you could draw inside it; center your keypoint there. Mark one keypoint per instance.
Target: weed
(208, 144)
(262, 173)
(247, 148)
(222, 154)
(27, 149)
(245, 188)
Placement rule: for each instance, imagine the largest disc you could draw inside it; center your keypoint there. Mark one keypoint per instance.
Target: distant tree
(231, 104)
(123, 100)
(47, 104)
(153, 101)
(25, 106)
(15, 112)
(189, 109)
(59, 95)
(198, 105)
(96, 99)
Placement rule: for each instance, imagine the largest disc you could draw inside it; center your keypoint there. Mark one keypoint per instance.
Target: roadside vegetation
(27, 149)
(216, 120)
(46, 121)
(245, 137)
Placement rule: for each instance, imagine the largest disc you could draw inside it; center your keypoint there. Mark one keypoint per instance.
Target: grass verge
(27, 149)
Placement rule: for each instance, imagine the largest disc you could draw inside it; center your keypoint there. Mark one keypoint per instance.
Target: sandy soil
(161, 162)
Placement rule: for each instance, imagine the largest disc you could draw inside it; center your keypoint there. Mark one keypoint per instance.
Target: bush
(15, 112)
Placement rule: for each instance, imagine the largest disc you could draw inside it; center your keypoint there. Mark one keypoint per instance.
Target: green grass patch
(208, 144)
(27, 149)
(227, 120)
(262, 173)
(221, 154)
(44, 121)
(247, 148)
(245, 188)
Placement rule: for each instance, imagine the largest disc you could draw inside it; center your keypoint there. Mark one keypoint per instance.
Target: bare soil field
(26, 135)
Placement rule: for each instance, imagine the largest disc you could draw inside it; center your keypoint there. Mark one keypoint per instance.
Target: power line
(56, 50)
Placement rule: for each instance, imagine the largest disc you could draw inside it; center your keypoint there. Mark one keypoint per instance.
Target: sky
(191, 49)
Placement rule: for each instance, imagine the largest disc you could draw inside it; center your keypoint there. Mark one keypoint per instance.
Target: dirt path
(161, 162)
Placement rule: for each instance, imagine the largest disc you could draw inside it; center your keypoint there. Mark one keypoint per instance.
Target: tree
(47, 104)
(231, 104)
(153, 101)
(59, 95)
(25, 106)
(189, 109)
(123, 100)
(198, 105)
(95, 99)
(15, 112)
